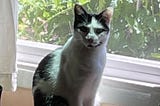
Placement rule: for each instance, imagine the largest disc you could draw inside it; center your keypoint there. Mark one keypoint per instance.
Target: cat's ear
(107, 14)
(79, 10)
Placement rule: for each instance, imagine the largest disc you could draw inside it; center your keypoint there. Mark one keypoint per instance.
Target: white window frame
(118, 68)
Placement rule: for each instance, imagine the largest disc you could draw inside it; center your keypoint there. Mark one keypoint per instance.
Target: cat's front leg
(75, 101)
(92, 102)
(97, 100)
(89, 103)
(96, 103)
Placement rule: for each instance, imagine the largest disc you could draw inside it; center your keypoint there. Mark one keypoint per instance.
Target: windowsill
(120, 68)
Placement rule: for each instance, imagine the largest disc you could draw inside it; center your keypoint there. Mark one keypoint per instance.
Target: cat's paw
(97, 100)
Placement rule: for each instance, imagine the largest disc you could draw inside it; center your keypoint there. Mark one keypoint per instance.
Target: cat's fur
(70, 75)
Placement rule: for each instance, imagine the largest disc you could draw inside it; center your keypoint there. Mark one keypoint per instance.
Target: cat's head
(92, 29)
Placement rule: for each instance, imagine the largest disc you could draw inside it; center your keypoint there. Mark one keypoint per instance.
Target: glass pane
(135, 27)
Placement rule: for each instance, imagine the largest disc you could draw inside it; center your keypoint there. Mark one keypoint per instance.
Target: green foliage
(46, 20)
(136, 31)
(135, 27)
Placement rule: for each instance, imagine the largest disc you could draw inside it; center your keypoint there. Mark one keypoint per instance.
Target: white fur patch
(92, 35)
(94, 24)
(97, 100)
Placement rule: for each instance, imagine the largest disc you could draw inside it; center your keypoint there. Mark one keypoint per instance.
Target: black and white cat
(70, 75)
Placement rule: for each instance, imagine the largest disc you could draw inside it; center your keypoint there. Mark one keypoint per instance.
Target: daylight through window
(135, 28)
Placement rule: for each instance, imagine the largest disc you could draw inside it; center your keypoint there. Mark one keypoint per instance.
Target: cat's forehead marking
(94, 23)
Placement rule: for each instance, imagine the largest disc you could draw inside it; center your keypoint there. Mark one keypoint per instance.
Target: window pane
(135, 27)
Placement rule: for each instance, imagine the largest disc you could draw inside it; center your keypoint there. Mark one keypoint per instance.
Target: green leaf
(155, 55)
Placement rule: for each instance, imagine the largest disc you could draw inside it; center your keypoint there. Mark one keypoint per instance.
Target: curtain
(8, 30)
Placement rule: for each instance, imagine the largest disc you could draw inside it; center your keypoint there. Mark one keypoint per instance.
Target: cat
(70, 75)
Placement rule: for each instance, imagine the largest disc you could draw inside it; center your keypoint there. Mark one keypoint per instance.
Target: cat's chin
(94, 45)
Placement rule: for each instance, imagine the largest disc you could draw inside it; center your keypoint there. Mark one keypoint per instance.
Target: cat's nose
(90, 40)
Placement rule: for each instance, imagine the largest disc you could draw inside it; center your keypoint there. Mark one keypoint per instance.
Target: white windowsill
(118, 68)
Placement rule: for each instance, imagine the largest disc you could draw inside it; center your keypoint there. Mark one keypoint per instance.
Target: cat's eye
(84, 29)
(99, 30)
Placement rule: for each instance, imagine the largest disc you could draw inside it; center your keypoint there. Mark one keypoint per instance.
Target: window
(133, 51)
(134, 30)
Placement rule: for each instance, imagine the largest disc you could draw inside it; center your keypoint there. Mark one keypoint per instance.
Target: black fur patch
(41, 99)
(87, 18)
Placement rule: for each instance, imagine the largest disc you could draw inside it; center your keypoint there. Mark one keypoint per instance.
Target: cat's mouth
(94, 45)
